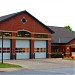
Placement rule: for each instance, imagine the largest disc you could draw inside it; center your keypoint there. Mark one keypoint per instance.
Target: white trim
(25, 38)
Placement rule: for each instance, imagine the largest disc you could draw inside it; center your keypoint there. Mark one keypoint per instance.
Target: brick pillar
(60, 49)
(67, 54)
(32, 47)
(13, 46)
(49, 47)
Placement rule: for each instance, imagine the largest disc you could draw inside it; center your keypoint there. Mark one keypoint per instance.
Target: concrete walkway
(41, 64)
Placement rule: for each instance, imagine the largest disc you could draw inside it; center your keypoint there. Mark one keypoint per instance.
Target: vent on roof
(59, 40)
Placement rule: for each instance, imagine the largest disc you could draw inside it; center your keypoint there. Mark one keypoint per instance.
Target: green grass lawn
(69, 58)
(6, 65)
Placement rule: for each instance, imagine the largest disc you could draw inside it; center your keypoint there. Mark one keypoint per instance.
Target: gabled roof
(6, 17)
(61, 35)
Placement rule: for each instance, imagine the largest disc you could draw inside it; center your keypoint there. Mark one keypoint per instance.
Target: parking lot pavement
(43, 64)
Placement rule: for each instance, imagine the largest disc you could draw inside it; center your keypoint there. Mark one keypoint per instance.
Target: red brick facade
(13, 46)
(49, 47)
(15, 24)
(73, 41)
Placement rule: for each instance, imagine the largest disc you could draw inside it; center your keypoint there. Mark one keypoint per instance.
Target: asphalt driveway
(43, 64)
(42, 67)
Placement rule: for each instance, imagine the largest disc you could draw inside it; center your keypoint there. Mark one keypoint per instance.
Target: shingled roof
(6, 17)
(62, 35)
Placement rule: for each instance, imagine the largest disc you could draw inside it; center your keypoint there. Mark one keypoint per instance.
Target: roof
(6, 17)
(61, 35)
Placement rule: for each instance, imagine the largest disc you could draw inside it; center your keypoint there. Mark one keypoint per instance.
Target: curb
(9, 69)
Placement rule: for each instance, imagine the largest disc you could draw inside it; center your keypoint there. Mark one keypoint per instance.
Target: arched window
(23, 34)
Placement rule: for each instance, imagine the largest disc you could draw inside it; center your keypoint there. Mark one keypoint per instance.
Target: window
(24, 20)
(23, 34)
(40, 49)
(41, 36)
(6, 34)
(5, 50)
(22, 50)
(55, 49)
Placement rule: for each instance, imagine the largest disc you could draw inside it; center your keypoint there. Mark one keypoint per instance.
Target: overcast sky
(50, 12)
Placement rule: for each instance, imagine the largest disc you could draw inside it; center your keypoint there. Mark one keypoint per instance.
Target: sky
(50, 12)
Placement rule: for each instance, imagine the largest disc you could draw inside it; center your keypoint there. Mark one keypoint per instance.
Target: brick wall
(15, 23)
(72, 42)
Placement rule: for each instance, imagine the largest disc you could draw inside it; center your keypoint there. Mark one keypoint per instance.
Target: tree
(69, 28)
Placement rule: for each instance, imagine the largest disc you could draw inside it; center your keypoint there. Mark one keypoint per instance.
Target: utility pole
(2, 47)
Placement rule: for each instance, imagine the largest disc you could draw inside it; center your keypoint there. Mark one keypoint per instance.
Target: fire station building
(25, 37)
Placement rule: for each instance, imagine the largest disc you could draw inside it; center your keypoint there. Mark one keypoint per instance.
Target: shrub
(56, 55)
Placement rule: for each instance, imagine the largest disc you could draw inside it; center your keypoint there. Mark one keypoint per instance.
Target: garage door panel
(22, 44)
(6, 49)
(22, 55)
(40, 49)
(40, 44)
(40, 55)
(5, 56)
(22, 49)
(0, 43)
(6, 43)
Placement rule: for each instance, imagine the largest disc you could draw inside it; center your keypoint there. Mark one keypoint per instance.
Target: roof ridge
(56, 26)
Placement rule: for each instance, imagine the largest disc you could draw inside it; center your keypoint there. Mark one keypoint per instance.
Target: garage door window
(20, 50)
(5, 50)
(40, 49)
(6, 46)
